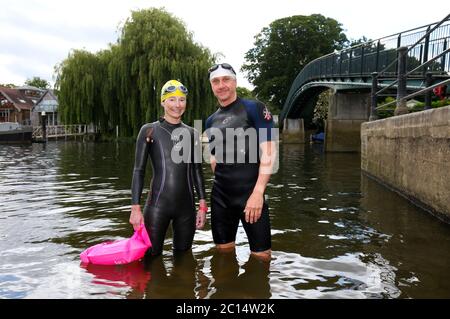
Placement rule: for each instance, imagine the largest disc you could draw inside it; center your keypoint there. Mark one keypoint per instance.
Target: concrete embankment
(411, 154)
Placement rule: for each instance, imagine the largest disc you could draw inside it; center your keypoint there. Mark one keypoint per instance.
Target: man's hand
(255, 202)
(254, 207)
(136, 218)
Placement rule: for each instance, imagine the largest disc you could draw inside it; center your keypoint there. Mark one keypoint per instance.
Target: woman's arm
(137, 184)
(199, 181)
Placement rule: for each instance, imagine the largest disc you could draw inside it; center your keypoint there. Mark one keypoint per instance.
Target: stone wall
(293, 131)
(411, 154)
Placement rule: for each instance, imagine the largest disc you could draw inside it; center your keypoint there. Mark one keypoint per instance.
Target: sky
(36, 35)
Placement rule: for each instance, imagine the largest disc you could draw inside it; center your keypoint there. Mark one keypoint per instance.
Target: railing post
(362, 60)
(421, 54)
(350, 61)
(443, 57)
(373, 104)
(428, 82)
(399, 43)
(320, 68)
(377, 59)
(401, 85)
(332, 65)
(427, 45)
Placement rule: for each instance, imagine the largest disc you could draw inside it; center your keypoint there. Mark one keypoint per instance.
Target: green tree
(121, 85)
(78, 82)
(8, 85)
(283, 48)
(362, 40)
(38, 82)
(244, 93)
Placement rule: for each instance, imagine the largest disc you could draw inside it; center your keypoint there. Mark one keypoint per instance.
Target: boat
(318, 137)
(12, 132)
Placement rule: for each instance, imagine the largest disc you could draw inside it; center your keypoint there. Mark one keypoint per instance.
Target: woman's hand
(201, 219)
(201, 214)
(136, 218)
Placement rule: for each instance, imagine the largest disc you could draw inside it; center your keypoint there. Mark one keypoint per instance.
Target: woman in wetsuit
(173, 148)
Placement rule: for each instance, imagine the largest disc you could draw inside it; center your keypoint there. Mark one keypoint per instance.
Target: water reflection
(132, 275)
(230, 280)
(181, 276)
(347, 276)
(174, 279)
(413, 240)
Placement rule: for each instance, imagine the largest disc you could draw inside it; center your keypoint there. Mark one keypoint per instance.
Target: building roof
(47, 103)
(18, 98)
(30, 88)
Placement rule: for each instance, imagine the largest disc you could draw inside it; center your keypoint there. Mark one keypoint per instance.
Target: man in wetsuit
(173, 150)
(239, 132)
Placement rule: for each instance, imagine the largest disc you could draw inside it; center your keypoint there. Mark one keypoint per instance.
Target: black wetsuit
(237, 170)
(171, 196)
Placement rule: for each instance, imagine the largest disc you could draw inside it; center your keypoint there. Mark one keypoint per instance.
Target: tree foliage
(244, 93)
(283, 48)
(8, 85)
(121, 85)
(38, 82)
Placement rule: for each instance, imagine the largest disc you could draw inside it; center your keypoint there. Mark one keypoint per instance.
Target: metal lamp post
(44, 123)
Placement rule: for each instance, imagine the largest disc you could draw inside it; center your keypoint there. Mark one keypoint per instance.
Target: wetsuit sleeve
(140, 163)
(208, 133)
(261, 119)
(199, 181)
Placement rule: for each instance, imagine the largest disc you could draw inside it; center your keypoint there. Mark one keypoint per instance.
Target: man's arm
(255, 202)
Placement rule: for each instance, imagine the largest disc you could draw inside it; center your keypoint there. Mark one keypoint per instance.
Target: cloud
(38, 34)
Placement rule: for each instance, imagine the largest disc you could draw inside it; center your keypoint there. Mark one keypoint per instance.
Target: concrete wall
(411, 154)
(347, 111)
(293, 131)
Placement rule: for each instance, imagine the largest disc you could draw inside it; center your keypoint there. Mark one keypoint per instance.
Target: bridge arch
(350, 72)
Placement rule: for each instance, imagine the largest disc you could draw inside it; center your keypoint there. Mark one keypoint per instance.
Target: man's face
(224, 88)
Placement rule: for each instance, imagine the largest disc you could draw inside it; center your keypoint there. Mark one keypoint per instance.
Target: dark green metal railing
(426, 56)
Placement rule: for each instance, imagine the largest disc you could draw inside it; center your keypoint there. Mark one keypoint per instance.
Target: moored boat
(11, 132)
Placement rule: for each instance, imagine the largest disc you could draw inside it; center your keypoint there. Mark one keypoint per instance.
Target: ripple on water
(346, 276)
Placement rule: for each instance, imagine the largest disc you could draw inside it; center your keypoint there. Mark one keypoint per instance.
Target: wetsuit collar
(229, 106)
(169, 125)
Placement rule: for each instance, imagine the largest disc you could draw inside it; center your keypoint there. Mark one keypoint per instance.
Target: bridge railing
(380, 55)
(424, 69)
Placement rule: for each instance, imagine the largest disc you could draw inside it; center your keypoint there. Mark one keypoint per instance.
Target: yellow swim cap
(173, 88)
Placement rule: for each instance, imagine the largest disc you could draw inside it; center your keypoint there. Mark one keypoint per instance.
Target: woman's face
(174, 108)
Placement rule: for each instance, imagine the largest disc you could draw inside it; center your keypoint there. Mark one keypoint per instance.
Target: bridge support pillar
(293, 131)
(346, 113)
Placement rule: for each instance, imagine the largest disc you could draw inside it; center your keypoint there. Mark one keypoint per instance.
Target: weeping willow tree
(121, 86)
(78, 88)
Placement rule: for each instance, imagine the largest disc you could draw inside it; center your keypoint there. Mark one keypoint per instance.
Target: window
(4, 116)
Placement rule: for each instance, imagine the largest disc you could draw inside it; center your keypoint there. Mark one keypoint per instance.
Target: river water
(335, 233)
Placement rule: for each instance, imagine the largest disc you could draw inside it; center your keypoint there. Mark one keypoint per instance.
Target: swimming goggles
(223, 65)
(173, 88)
